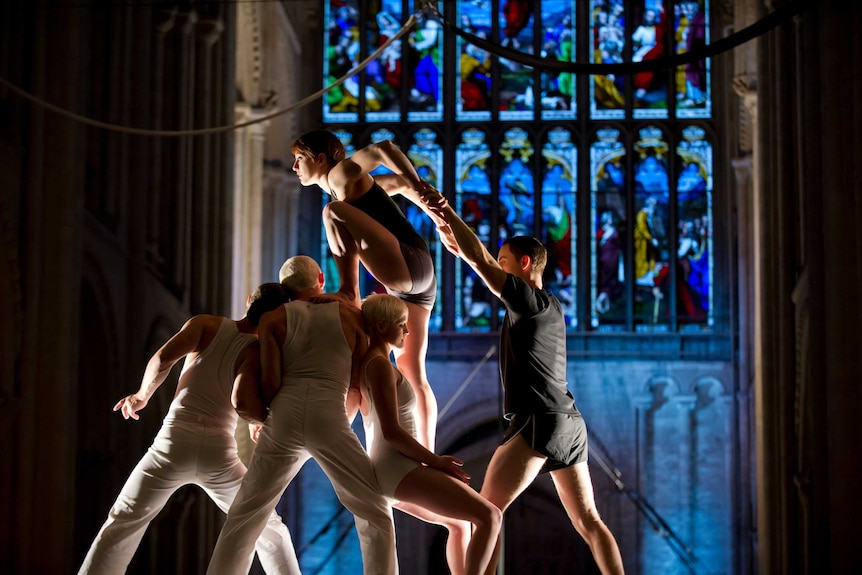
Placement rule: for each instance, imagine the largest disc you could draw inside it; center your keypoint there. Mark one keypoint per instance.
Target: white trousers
(307, 420)
(182, 453)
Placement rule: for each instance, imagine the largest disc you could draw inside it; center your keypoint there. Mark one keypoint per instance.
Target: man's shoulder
(206, 321)
(350, 313)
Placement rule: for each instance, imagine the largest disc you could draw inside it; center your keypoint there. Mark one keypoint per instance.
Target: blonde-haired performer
(364, 224)
(428, 486)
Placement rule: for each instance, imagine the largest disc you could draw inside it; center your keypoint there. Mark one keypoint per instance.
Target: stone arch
(707, 390)
(659, 390)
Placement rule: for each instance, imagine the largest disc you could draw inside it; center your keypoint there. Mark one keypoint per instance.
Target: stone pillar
(248, 207)
(281, 225)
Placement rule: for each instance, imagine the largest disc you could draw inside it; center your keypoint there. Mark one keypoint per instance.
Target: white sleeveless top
(205, 385)
(390, 465)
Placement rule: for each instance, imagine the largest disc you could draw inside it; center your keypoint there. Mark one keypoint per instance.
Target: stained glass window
(691, 32)
(631, 215)
(516, 94)
(425, 71)
(559, 218)
(474, 204)
(558, 41)
(694, 238)
(608, 42)
(651, 240)
(474, 85)
(383, 75)
(341, 53)
(648, 40)
(609, 220)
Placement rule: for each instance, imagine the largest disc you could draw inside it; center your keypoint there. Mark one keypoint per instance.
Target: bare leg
(576, 493)
(512, 469)
(380, 252)
(457, 541)
(411, 362)
(377, 247)
(444, 495)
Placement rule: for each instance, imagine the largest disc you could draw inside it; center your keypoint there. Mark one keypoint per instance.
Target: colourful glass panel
(474, 83)
(383, 75)
(693, 85)
(559, 221)
(341, 53)
(427, 157)
(694, 245)
(609, 221)
(649, 36)
(473, 203)
(516, 94)
(607, 31)
(425, 59)
(558, 88)
(515, 211)
(651, 235)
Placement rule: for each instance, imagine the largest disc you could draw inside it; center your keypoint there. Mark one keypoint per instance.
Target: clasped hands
(437, 208)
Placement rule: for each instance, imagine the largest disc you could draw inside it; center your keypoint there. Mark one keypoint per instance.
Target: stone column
(248, 207)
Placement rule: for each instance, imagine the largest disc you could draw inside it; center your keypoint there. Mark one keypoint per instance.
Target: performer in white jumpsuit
(307, 351)
(196, 443)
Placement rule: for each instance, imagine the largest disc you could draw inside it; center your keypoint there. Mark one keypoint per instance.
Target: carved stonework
(745, 86)
(249, 52)
(725, 12)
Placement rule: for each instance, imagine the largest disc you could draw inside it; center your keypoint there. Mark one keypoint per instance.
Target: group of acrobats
(301, 363)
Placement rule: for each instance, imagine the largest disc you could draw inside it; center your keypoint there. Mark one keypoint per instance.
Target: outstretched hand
(130, 406)
(452, 466)
(447, 238)
(437, 204)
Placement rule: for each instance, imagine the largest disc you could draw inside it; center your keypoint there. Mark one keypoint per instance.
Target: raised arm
(184, 342)
(387, 154)
(381, 380)
(245, 395)
(460, 240)
(396, 184)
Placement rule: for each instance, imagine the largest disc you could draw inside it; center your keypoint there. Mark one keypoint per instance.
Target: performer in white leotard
(196, 443)
(307, 353)
(428, 486)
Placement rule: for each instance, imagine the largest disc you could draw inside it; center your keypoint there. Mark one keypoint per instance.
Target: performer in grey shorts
(546, 430)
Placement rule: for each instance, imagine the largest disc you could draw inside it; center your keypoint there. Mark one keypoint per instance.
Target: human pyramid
(301, 363)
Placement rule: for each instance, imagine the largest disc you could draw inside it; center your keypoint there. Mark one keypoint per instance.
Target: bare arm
(353, 326)
(245, 395)
(460, 239)
(385, 153)
(270, 334)
(184, 342)
(395, 184)
(381, 380)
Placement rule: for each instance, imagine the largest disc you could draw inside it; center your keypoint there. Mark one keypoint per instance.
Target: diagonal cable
(762, 26)
(408, 25)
